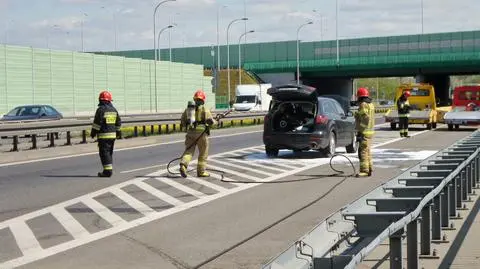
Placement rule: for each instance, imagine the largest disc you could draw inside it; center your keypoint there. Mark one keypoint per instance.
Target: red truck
(465, 107)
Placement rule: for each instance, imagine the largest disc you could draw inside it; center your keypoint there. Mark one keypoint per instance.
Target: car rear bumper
(296, 141)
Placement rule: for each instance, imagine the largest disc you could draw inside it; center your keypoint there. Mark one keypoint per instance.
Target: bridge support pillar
(441, 83)
(338, 86)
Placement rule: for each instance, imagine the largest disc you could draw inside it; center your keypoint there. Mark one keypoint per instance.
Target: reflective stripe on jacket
(107, 121)
(365, 119)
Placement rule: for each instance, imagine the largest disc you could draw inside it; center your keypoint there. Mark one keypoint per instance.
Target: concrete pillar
(337, 86)
(441, 83)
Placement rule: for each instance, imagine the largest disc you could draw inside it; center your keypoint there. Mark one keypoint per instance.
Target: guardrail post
(464, 185)
(152, 129)
(412, 245)
(34, 142)
(425, 239)
(452, 189)
(144, 130)
(160, 129)
(135, 131)
(221, 124)
(167, 131)
(69, 139)
(241, 122)
(468, 176)
(445, 207)
(396, 250)
(477, 170)
(56, 135)
(15, 143)
(52, 140)
(458, 183)
(84, 137)
(48, 137)
(231, 123)
(436, 219)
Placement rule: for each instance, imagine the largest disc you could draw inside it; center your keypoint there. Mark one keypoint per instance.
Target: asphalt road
(214, 225)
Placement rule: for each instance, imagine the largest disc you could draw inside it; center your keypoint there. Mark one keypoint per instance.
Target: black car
(32, 112)
(299, 119)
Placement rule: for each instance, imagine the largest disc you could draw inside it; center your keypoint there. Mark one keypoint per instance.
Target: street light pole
(298, 50)
(154, 49)
(158, 41)
(240, 55)
(336, 32)
(321, 23)
(228, 55)
(218, 35)
(421, 6)
(81, 24)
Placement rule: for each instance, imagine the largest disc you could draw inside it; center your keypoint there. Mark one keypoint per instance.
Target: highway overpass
(431, 58)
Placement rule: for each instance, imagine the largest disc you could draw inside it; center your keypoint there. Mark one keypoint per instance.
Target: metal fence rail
(145, 124)
(429, 193)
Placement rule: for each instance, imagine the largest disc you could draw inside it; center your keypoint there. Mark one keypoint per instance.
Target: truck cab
(252, 97)
(465, 107)
(423, 105)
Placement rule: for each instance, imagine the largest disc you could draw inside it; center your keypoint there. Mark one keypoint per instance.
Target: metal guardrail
(430, 192)
(52, 128)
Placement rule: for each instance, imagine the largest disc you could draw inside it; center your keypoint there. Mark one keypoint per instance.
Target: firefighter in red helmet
(364, 124)
(197, 119)
(403, 107)
(106, 126)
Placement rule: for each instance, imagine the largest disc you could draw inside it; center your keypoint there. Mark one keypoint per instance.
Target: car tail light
(321, 119)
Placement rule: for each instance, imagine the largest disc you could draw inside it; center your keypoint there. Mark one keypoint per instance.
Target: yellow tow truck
(423, 104)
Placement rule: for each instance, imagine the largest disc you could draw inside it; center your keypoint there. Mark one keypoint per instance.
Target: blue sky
(57, 23)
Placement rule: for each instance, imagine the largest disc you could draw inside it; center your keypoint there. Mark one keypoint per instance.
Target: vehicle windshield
(418, 92)
(25, 111)
(246, 99)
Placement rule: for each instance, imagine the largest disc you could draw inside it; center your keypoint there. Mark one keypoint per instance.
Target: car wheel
(271, 152)
(393, 126)
(450, 127)
(352, 148)
(332, 145)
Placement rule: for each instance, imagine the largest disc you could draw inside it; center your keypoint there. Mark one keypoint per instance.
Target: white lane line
(137, 222)
(219, 177)
(207, 184)
(143, 168)
(118, 150)
(132, 201)
(242, 167)
(228, 171)
(181, 187)
(26, 240)
(103, 212)
(155, 192)
(253, 163)
(73, 227)
(153, 166)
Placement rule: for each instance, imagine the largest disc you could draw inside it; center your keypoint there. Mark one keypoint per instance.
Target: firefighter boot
(105, 173)
(203, 174)
(363, 174)
(183, 170)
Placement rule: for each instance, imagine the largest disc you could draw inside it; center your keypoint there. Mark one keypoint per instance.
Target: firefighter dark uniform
(106, 126)
(403, 107)
(197, 119)
(364, 124)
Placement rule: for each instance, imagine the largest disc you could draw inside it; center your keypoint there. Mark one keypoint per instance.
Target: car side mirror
(349, 114)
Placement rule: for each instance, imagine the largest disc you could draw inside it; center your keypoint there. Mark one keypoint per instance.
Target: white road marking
(69, 222)
(161, 195)
(39, 253)
(256, 164)
(132, 201)
(182, 187)
(103, 212)
(118, 150)
(232, 172)
(241, 167)
(207, 184)
(143, 168)
(26, 240)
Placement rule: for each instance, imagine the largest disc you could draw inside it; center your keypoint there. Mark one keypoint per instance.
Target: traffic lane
(242, 228)
(29, 187)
